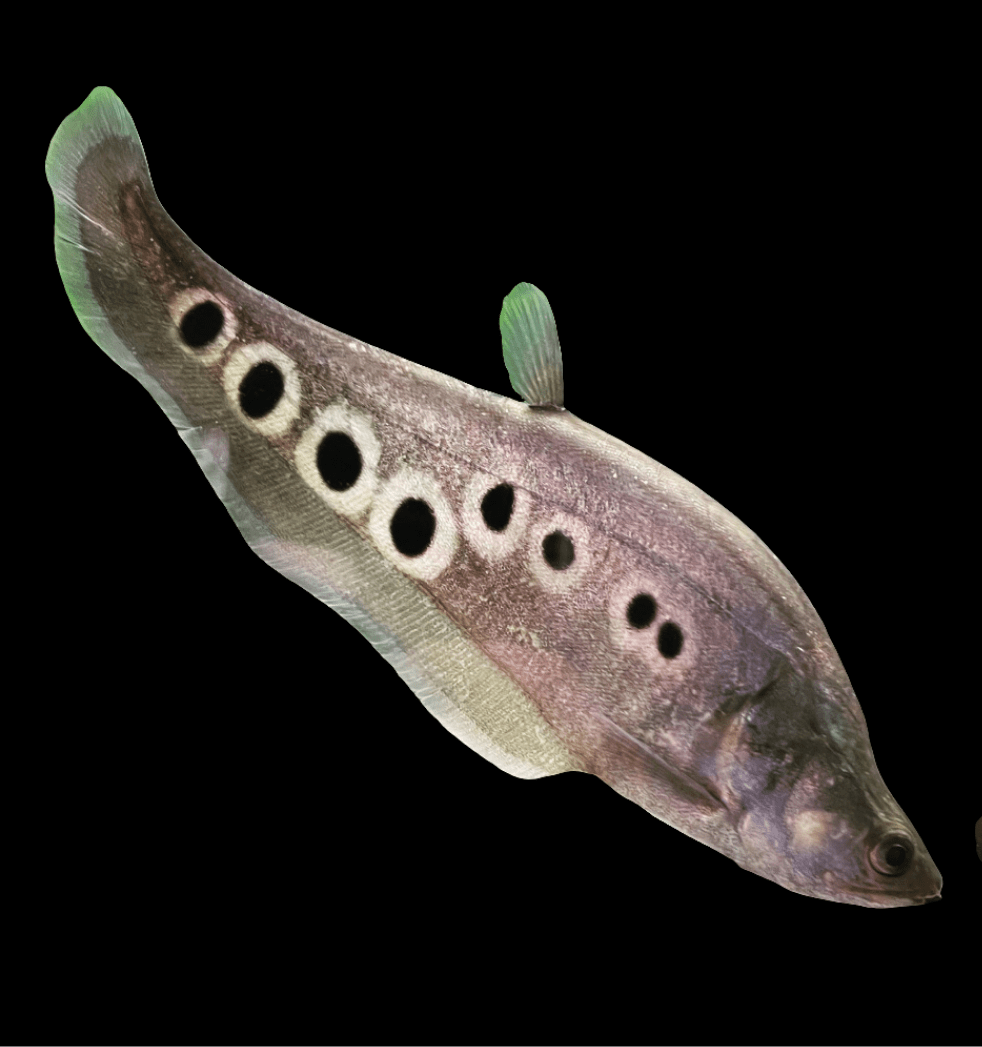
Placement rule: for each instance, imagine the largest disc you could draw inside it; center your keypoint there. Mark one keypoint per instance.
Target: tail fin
(85, 193)
(111, 235)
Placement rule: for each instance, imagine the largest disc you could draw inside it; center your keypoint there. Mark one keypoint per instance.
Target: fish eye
(892, 855)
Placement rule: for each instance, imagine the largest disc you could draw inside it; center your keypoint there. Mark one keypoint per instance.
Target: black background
(220, 755)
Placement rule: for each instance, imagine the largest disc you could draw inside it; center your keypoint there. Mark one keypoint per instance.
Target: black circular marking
(497, 505)
(641, 611)
(261, 389)
(669, 640)
(557, 548)
(202, 324)
(338, 461)
(412, 527)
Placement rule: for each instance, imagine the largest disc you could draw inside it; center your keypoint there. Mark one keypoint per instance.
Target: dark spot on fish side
(412, 527)
(338, 461)
(497, 505)
(641, 611)
(669, 640)
(557, 548)
(201, 324)
(261, 390)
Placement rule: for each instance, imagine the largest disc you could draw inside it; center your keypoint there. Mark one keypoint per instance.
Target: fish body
(559, 600)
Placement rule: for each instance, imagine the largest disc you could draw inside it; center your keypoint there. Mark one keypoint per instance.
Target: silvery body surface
(556, 598)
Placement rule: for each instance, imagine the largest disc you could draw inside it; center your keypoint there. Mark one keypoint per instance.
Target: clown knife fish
(558, 600)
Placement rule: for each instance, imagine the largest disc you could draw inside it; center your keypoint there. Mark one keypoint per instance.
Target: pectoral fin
(640, 760)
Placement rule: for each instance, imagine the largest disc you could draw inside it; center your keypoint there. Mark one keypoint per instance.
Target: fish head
(810, 808)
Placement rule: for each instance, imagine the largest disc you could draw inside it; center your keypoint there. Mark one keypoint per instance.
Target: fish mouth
(881, 898)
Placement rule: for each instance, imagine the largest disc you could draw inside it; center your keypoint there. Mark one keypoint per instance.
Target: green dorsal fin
(531, 347)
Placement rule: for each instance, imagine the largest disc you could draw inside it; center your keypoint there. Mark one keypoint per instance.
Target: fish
(978, 838)
(558, 600)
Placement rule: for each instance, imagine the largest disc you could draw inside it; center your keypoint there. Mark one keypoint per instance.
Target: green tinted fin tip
(531, 347)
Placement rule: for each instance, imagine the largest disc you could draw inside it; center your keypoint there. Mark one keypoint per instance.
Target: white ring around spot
(571, 576)
(240, 363)
(492, 545)
(341, 418)
(412, 483)
(183, 302)
(644, 642)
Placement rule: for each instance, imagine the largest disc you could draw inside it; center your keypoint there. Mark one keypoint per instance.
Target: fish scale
(720, 706)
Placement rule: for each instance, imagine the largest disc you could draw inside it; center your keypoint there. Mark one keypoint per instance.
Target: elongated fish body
(556, 598)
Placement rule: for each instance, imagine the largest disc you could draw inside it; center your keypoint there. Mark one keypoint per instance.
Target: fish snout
(901, 864)
(898, 871)
(848, 839)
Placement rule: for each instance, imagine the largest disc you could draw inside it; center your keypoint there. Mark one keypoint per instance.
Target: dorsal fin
(531, 347)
